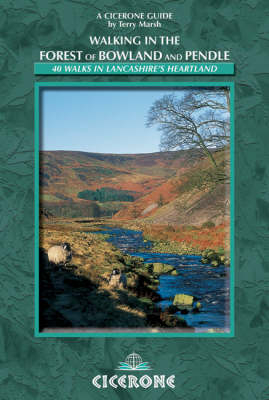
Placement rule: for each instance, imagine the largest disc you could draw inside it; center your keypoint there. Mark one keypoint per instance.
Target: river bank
(80, 296)
(210, 242)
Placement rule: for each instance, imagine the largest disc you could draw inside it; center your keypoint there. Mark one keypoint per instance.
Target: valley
(161, 219)
(163, 188)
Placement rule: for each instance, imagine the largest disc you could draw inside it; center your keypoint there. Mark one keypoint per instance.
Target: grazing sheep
(117, 279)
(60, 254)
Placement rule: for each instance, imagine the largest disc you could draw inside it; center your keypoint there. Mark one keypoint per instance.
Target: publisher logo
(133, 363)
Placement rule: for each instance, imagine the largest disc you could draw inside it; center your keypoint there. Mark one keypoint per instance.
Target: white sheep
(117, 279)
(60, 254)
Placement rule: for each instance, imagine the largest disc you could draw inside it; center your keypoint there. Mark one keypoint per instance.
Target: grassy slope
(182, 202)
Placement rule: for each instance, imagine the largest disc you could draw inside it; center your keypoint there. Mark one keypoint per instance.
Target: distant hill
(152, 180)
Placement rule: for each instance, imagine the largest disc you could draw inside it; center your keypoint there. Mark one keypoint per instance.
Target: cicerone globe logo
(133, 363)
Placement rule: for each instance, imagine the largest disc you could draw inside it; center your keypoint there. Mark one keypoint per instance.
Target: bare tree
(197, 118)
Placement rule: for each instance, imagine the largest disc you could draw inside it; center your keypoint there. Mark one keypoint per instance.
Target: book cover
(134, 200)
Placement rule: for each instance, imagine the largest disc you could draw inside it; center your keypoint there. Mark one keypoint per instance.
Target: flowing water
(210, 285)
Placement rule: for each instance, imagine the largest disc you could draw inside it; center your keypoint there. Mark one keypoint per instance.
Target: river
(210, 285)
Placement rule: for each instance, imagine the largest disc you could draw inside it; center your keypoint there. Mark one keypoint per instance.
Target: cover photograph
(134, 200)
(133, 239)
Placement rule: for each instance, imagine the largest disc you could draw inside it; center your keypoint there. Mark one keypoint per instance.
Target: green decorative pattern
(205, 368)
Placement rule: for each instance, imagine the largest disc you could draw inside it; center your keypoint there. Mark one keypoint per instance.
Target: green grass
(162, 246)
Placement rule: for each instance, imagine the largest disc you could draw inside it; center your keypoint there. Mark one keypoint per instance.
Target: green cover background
(38, 368)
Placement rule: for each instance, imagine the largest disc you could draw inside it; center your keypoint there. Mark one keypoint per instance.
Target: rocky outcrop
(183, 301)
(215, 258)
(161, 269)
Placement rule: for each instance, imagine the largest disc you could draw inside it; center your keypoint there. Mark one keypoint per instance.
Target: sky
(99, 120)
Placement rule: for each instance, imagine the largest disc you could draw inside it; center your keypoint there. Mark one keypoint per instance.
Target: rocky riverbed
(180, 274)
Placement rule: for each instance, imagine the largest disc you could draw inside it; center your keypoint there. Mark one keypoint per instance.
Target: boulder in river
(183, 301)
(174, 272)
(159, 268)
